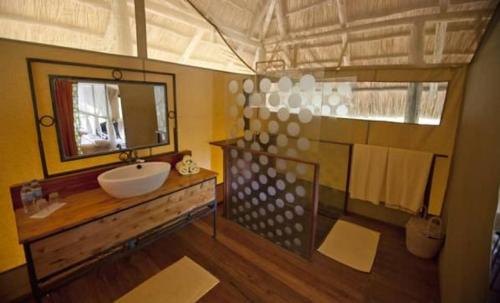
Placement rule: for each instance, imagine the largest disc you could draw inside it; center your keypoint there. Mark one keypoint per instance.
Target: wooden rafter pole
(342, 16)
(306, 7)
(366, 24)
(140, 29)
(439, 42)
(191, 46)
(415, 56)
(260, 52)
(257, 20)
(267, 19)
(416, 47)
(283, 29)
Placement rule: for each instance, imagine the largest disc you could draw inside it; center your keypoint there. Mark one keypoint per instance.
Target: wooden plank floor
(252, 269)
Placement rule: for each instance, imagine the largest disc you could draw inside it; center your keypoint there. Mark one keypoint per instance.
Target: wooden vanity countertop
(88, 205)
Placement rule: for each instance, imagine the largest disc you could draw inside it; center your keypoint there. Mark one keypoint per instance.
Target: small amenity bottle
(27, 199)
(37, 189)
(37, 195)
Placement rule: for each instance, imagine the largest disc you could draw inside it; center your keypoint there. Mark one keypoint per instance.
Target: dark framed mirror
(101, 116)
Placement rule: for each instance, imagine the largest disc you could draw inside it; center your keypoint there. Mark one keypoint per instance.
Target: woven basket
(424, 237)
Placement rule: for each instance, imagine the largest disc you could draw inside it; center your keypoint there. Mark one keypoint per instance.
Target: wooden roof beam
(443, 5)
(416, 47)
(283, 30)
(280, 18)
(258, 18)
(440, 34)
(260, 55)
(395, 35)
(341, 12)
(389, 56)
(439, 42)
(305, 36)
(267, 19)
(306, 7)
(342, 16)
(191, 46)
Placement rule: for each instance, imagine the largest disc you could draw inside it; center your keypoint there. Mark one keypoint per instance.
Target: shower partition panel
(273, 196)
(271, 170)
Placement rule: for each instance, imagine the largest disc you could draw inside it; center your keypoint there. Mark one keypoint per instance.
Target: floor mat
(352, 245)
(182, 282)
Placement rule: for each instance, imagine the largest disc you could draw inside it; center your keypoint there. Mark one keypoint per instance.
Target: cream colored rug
(182, 282)
(352, 245)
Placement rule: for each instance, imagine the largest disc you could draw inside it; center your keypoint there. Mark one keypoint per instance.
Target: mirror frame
(55, 110)
(47, 121)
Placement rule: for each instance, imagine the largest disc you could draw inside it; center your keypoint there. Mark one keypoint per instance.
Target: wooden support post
(348, 179)
(413, 102)
(140, 29)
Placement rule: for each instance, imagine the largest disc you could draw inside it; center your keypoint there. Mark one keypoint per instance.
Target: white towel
(368, 172)
(407, 176)
(187, 166)
(182, 169)
(187, 160)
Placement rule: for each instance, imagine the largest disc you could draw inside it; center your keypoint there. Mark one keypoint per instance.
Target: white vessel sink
(135, 179)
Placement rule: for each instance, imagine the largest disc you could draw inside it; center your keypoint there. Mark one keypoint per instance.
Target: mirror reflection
(99, 116)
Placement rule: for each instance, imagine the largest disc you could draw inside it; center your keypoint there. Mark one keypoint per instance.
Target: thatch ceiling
(335, 33)
(304, 34)
(175, 31)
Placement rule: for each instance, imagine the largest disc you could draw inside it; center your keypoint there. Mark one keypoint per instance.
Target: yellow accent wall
(220, 125)
(198, 102)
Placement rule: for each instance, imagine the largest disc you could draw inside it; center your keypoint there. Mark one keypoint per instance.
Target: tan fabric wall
(333, 157)
(473, 192)
(435, 139)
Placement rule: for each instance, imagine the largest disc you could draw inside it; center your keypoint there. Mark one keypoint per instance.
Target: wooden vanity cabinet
(94, 225)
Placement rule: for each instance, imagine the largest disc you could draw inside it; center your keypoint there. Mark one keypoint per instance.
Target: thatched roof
(176, 32)
(303, 33)
(334, 33)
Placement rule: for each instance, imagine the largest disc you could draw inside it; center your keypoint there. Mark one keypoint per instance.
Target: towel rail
(428, 187)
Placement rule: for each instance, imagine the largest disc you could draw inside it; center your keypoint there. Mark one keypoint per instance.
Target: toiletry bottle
(27, 198)
(37, 194)
(37, 189)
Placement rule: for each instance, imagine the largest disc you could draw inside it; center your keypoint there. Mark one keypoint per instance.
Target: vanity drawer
(76, 245)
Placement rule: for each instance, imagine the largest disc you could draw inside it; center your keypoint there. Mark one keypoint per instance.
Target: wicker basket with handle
(424, 237)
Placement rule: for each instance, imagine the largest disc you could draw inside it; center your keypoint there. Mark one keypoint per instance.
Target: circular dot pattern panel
(268, 198)
(271, 195)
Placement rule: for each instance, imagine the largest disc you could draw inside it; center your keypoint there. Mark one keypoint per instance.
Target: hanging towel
(368, 172)
(407, 175)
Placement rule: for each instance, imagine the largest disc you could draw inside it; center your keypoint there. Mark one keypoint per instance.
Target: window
(401, 102)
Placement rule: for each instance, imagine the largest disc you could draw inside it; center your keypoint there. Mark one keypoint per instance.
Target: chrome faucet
(131, 156)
